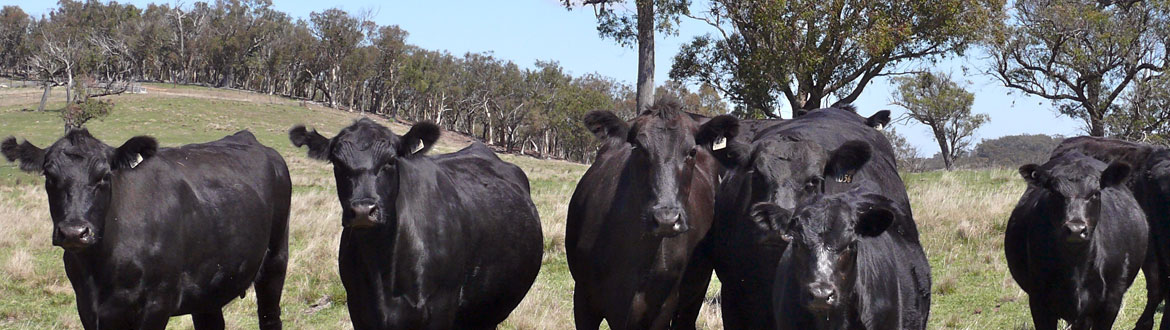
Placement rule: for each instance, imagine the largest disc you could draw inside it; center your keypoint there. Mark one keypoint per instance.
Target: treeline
(337, 58)
(1009, 152)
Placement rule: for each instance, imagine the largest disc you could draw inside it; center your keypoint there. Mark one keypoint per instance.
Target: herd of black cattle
(806, 222)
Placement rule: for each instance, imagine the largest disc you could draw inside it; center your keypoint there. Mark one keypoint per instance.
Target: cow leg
(1165, 318)
(89, 318)
(1040, 315)
(270, 280)
(583, 315)
(1106, 318)
(208, 321)
(153, 319)
(1154, 291)
(692, 292)
(654, 306)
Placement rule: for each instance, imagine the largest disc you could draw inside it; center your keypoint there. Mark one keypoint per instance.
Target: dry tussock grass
(24, 214)
(20, 266)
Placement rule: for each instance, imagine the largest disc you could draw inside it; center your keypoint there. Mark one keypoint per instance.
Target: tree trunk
(944, 150)
(1096, 110)
(645, 54)
(1096, 125)
(228, 77)
(69, 87)
(45, 96)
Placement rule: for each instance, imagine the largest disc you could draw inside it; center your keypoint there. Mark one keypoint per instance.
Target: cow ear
(606, 126)
(874, 222)
(135, 151)
(1115, 174)
(875, 215)
(734, 155)
(421, 137)
(318, 144)
(717, 132)
(847, 160)
(30, 158)
(774, 220)
(1034, 175)
(879, 120)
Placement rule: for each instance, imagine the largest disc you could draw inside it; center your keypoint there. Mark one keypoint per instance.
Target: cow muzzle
(822, 297)
(75, 236)
(365, 214)
(1076, 231)
(668, 221)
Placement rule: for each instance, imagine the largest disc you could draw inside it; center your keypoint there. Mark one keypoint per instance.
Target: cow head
(365, 157)
(670, 147)
(1157, 174)
(1074, 182)
(782, 171)
(79, 171)
(823, 234)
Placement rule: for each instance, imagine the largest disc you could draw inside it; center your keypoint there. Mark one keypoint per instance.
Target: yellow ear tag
(847, 178)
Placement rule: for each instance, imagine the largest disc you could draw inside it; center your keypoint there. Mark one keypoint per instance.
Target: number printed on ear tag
(845, 178)
(720, 143)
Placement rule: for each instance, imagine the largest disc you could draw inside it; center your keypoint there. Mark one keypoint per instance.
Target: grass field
(961, 216)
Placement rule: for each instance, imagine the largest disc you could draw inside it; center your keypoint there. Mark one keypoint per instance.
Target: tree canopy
(338, 58)
(803, 53)
(939, 103)
(1081, 54)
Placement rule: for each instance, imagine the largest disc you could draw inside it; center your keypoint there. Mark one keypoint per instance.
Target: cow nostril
(823, 292)
(84, 232)
(363, 209)
(667, 215)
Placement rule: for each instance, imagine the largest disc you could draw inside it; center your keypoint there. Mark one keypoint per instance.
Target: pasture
(961, 216)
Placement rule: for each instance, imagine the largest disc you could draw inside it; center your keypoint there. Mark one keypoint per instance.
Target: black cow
(822, 151)
(429, 242)
(748, 128)
(152, 233)
(1150, 185)
(1075, 241)
(638, 213)
(842, 269)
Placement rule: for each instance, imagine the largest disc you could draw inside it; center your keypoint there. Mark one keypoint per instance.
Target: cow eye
(814, 183)
(100, 180)
(691, 153)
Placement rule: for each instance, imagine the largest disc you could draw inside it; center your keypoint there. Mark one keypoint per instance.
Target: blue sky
(528, 30)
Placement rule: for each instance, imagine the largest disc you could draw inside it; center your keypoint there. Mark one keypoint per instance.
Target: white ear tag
(137, 160)
(880, 127)
(418, 147)
(720, 143)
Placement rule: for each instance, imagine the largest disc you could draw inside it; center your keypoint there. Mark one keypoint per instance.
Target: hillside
(961, 216)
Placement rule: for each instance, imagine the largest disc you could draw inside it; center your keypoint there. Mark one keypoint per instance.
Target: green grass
(961, 217)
